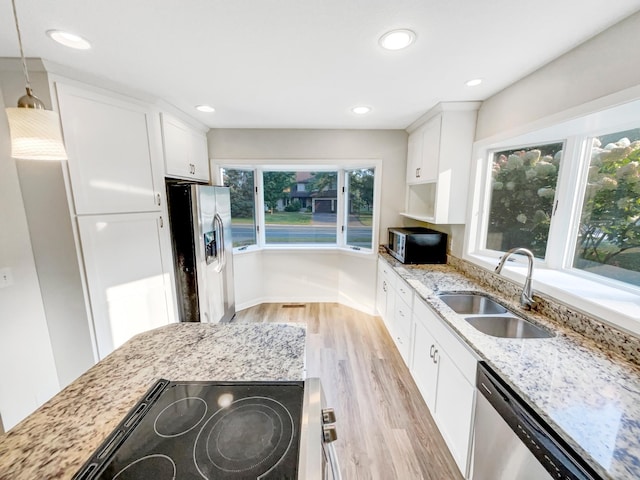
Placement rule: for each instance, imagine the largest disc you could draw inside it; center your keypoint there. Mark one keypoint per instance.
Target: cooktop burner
(210, 430)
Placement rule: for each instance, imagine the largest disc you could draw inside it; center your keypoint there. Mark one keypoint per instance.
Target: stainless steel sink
(470, 303)
(507, 327)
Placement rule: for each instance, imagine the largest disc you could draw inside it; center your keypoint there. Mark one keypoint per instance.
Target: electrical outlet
(6, 278)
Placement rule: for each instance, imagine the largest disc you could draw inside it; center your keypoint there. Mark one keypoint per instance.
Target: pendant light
(35, 131)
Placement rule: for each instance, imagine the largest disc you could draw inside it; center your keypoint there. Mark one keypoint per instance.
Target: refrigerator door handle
(217, 222)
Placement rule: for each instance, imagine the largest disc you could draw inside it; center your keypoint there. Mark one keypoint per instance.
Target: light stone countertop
(56, 440)
(589, 395)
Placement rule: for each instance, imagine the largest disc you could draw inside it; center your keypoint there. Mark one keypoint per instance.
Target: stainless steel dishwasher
(511, 442)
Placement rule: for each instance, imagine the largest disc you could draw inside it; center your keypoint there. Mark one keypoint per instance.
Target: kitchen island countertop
(56, 440)
(588, 394)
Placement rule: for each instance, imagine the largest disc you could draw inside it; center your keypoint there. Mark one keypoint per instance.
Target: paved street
(358, 236)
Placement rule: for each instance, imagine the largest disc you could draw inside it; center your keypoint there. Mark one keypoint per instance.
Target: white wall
(45, 202)
(314, 276)
(27, 371)
(599, 67)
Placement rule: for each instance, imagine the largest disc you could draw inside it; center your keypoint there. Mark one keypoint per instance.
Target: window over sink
(569, 192)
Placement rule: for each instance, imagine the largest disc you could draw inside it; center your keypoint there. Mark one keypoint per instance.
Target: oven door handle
(333, 461)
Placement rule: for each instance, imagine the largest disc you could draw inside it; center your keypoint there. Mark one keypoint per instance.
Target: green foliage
(241, 185)
(360, 189)
(294, 206)
(610, 223)
(523, 192)
(276, 187)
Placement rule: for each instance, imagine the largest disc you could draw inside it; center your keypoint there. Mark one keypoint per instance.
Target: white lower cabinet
(127, 269)
(444, 371)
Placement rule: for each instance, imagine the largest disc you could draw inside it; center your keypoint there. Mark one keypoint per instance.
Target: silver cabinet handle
(431, 351)
(418, 172)
(158, 199)
(384, 286)
(436, 357)
(161, 223)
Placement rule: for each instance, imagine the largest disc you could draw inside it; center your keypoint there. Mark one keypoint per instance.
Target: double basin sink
(491, 318)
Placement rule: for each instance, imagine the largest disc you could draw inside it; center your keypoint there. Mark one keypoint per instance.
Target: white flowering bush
(523, 190)
(610, 222)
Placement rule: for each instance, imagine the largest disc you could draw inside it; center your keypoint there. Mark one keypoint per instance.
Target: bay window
(315, 206)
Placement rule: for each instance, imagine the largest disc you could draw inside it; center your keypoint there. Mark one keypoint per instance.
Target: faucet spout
(526, 298)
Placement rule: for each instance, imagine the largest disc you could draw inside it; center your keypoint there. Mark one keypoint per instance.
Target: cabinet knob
(329, 433)
(328, 415)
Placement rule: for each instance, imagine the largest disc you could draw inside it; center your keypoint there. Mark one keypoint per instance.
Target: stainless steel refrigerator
(200, 222)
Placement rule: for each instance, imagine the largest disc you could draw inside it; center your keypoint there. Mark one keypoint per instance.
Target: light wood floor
(385, 430)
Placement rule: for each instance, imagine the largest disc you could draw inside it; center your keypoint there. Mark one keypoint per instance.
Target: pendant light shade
(35, 131)
(35, 134)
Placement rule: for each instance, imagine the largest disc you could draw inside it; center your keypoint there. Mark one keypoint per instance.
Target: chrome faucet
(526, 298)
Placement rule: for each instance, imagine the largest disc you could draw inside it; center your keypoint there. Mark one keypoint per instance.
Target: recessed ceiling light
(397, 39)
(361, 109)
(70, 40)
(205, 108)
(473, 83)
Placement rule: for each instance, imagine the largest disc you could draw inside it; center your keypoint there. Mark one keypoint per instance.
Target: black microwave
(417, 245)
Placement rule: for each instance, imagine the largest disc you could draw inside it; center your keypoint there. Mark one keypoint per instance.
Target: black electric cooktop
(211, 430)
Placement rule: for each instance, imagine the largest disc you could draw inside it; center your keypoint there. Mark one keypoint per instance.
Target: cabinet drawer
(404, 291)
(389, 276)
(465, 360)
(402, 317)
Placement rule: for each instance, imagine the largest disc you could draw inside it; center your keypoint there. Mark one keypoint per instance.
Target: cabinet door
(126, 275)
(430, 150)
(423, 367)
(454, 409)
(414, 156)
(185, 150)
(111, 152)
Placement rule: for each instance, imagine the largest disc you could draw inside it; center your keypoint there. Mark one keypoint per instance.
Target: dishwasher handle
(552, 451)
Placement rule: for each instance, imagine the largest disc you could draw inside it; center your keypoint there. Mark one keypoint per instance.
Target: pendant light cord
(24, 61)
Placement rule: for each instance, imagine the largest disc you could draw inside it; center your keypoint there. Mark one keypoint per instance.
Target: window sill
(611, 305)
(306, 248)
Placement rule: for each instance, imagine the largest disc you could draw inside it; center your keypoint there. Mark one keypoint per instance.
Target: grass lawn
(288, 218)
(365, 218)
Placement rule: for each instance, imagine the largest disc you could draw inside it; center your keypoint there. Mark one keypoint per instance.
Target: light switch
(6, 278)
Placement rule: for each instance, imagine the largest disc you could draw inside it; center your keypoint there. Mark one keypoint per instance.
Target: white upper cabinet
(112, 147)
(186, 152)
(423, 150)
(438, 163)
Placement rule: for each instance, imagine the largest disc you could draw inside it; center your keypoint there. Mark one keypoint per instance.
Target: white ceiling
(304, 63)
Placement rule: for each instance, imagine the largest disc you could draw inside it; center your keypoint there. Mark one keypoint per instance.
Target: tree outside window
(608, 242)
(522, 197)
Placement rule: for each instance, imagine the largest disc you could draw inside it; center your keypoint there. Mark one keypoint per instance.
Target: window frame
(259, 167)
(618, 303)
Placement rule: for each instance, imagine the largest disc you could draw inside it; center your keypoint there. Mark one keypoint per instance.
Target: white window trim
(260, 166)
(613, 302)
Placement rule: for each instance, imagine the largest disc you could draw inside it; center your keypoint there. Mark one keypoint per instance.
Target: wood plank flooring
(385, 430)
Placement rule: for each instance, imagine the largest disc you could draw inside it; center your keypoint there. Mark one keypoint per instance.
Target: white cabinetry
(128, 284)
(423, 150)
(439, 161)
(444, 371)
(394, 302)
(115, 178)
(110, 142)
(185, 150)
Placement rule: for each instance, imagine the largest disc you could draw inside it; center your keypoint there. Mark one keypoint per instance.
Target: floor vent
(293, 305)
